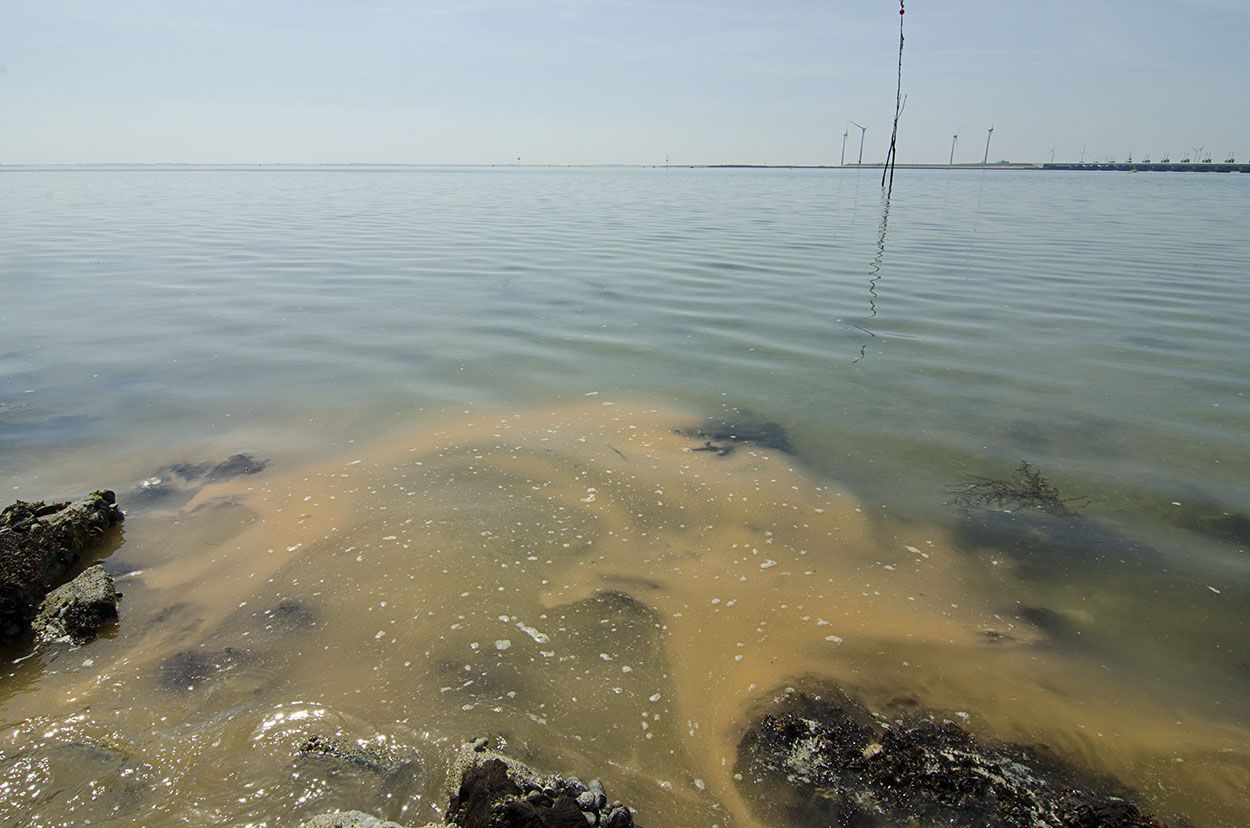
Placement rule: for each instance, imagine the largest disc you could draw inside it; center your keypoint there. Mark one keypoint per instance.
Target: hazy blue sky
(577, 81)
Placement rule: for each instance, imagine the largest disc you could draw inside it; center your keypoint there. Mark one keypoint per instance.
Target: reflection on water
(874, 272)
(583, 581)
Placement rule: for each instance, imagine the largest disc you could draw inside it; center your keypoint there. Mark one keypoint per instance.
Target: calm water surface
(434, 360)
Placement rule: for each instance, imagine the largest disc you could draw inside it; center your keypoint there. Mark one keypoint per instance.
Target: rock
(617, 818)
(820, 757)
(1206, 517)
(78, 609)
(364, 755)
(350, 819)
(39, 543)
(59, 777)
(491, 790)
(189, 669)
(178, 482)
(721, 436)
(1038, 542)
(376, 775)
(289, 615)
(236, 465)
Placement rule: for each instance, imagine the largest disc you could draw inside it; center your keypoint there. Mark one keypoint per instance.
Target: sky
(616, 81)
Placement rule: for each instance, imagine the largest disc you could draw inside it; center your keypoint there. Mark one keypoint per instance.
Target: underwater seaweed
(1025, 488)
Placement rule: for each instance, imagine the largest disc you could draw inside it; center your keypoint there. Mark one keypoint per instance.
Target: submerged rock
(1206, 517)
(289, 615)
(722, 436)
(39, 543)
(491, 790)
(78, 609)
(1027, 518)
(189, 669)
(350, 819)
(182, 480)
(1039, 543)
(820, 757)
(375, 775)
(60, 777)
(364, 755)
(236, 465)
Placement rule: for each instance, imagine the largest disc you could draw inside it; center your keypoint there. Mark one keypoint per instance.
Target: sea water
(483, 393)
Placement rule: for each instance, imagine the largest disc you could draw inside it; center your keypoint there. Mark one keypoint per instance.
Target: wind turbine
(862, 130)
(845, 132)
(988, 136)
(954, 140)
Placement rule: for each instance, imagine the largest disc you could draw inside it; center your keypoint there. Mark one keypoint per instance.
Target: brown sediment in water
(581, 581)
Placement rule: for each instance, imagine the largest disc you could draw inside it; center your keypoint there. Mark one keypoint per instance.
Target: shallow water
(471, 385)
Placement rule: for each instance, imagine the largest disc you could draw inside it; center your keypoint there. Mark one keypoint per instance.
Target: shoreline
(1001, 166)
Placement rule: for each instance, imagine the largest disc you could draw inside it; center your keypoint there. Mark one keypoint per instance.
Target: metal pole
(988, 136)
(954, 138)
(845, 133)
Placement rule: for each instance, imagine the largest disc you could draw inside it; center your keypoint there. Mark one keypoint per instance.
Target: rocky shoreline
(820, 756)
(488, 789)
(812, 754)
(816, 756)
(40, 543)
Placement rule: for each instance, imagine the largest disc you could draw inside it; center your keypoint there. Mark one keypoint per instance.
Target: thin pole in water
(892, 156)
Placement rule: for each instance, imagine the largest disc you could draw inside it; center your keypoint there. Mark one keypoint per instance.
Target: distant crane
(1083, 146)
(954, 140)
(862, 130)
(1230, 159)
(1052, 155)
(1198, 154)
(845, 132)
(988, 136)
(1166, 159)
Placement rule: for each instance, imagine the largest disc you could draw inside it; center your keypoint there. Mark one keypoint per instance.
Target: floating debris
(1024, 489)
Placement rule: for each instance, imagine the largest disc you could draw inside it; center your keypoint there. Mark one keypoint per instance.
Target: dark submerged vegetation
(1024, 489)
